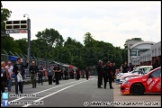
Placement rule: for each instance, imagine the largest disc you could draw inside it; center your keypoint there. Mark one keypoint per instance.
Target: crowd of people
(54, 74)
(106, 73)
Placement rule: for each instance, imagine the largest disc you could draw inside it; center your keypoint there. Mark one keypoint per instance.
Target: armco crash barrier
(28, 80)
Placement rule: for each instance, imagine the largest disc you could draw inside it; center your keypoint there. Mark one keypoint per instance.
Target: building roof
(139, 43)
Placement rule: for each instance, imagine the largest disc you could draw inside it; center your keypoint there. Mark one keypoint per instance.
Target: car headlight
(126, 82)
(126, 78)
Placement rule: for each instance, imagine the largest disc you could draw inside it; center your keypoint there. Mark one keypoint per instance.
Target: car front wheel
(137, 89)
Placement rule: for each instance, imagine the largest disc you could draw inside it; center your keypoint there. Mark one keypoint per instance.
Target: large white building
(146, 57)
(136, 48)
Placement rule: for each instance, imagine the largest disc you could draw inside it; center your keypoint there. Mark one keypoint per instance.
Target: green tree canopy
(5, 14)
(8, 44)
(51, 36)
(23, 45)
(88, 40)
(136, 39)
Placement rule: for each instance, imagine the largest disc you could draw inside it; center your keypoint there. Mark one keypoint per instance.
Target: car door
(154, 81)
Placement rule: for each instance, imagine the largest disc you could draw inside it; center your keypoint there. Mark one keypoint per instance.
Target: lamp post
(29, 35)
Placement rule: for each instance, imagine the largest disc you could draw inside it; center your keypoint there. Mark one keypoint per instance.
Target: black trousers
(65, 76)
(87, 76)
(18, 85)
(72, 76)
(57, 77)
(99, 80)
(50, 80)
(62, 75)
(3, 87)
(78, 76)
(106, 78)
(40, 79)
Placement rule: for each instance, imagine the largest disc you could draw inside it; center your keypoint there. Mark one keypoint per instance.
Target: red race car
(148, 83)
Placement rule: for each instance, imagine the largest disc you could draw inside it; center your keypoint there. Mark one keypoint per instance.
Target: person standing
(62, 74)
(10, 71)
(44, 73)
(77, 74)
(100, 73)
(130, 67)
(33, 71)
(4, 76)
(108, 75)
(66, 73)
(114, 71)
(18, 68)
(125, 68)
(83, 73)
(156, 64)
(87, 73)
(50, 74)
(40, 74)
(72, 72)
(56, 71)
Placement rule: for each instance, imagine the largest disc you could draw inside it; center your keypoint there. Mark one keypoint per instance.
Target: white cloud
(109, 21)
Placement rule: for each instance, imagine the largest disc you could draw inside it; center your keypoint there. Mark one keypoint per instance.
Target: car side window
(156, 73)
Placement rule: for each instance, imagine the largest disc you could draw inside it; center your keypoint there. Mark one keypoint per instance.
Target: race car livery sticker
(152, 84)
(158, 86)
(149, 81)
(144, 79)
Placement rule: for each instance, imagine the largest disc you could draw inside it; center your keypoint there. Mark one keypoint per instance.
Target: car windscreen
(147, 70)
(142, 70)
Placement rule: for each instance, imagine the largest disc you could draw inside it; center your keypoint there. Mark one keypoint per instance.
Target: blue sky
(108, 21)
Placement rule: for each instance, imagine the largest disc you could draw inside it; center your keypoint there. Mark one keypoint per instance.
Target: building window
(133, 53)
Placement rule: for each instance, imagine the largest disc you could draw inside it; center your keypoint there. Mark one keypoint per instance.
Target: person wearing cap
(33, 71)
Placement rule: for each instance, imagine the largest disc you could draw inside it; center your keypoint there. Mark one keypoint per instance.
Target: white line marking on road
(45, 90)
(56, 92)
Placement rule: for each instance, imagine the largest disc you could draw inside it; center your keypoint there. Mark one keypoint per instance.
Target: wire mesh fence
(13, 57)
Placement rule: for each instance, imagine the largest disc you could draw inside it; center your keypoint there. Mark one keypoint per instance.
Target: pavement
(75, 93)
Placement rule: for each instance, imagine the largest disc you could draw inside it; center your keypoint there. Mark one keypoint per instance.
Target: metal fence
(12, 57)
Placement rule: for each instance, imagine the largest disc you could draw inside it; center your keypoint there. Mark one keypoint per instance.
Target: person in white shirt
(10, 71)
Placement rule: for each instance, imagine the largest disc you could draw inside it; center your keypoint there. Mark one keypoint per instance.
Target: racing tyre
(137, 89)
